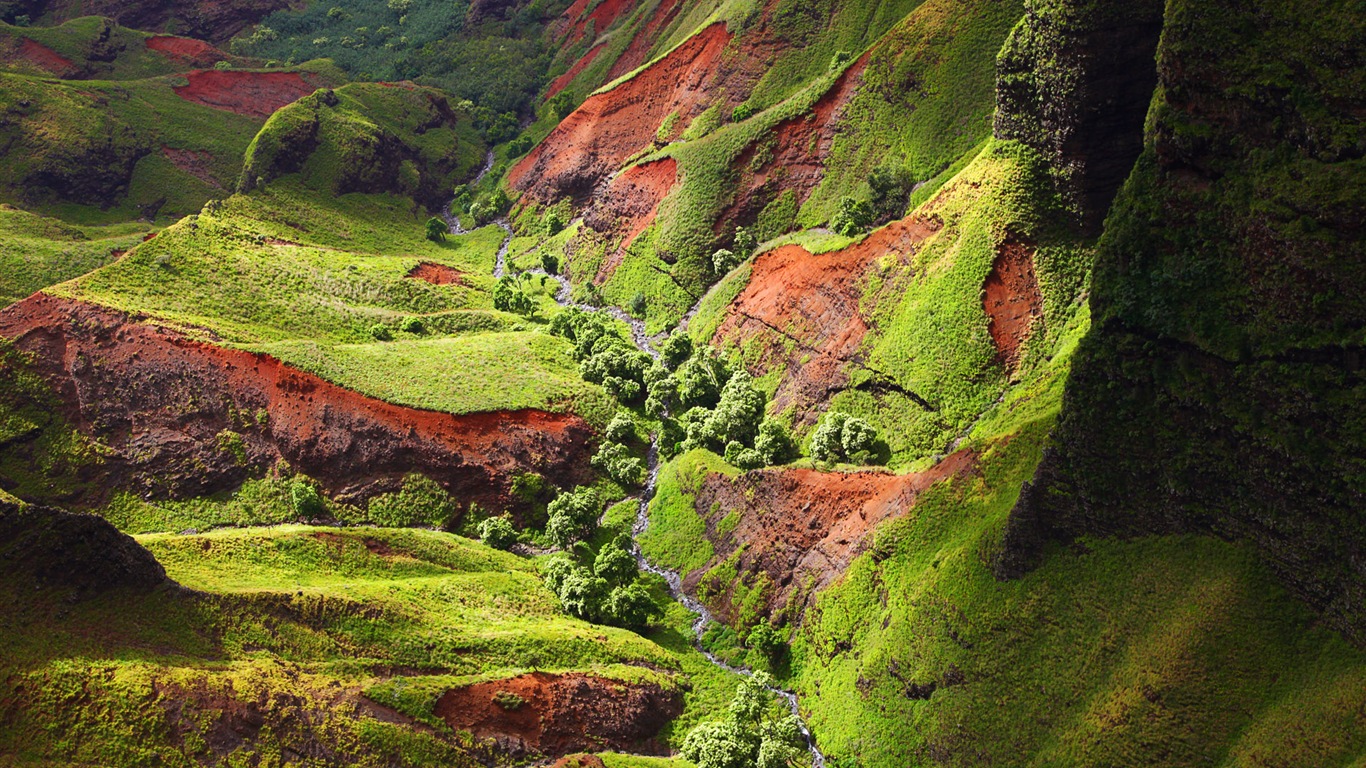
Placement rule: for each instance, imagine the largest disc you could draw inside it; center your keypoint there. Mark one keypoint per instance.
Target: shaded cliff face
(79, 556)
(1221, 388)
(1074, 81)
(213, 20)
(162, 403)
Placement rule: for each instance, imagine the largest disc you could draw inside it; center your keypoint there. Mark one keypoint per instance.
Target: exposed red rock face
(801, 528)
(797, 147)
(563, 81)
(160, 400)
(437, 274)
(554, 715)
(638, 51)
(256, 94)
(44, 57)
(629, 205)
(196, 52)
(813, 300)
(603, 16)
(1012, 300)
(607, 129)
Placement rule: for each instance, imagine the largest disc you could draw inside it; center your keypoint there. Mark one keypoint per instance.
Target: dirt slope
(161, 401)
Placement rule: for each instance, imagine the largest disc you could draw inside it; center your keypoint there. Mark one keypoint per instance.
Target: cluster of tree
(843, 438)
(501, 66)
(510, 296)
(608, 592)
(484, 209)
(604, 356)
(615, 459)
(754, 734)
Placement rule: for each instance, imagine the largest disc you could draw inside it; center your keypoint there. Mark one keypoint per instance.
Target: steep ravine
(642, 341)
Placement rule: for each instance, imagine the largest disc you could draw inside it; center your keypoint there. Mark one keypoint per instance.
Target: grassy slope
(122, 52)
(298, 620)
(1178, 649)
(37, 251)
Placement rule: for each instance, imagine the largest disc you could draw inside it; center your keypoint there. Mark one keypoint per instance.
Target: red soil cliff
(555, 715)
(160, 400)
(256, 94)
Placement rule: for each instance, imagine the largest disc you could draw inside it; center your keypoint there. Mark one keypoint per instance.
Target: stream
(645, 343)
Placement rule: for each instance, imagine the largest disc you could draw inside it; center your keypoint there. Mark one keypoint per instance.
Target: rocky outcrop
(1223, 385)
(184, 418)
(1074, 81)
(553, 715)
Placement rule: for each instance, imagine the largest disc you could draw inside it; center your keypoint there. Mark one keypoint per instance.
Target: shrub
(676, 349)
(745, 242)
(767, 641)
(841, 437)
(621, 429)
(891, 191)
(380, 332)
(554, 225)
(615, 563)
(752, 734)
(630, 607)
(637, 305)
(412, 325)
(738, 412)
(497, 532)
(436, 229)
(508, 296)
(853, 217)
(616, 461)
(462, 198)
(723, 261)
(562, 105)
(508, 700)
(774, 443)
(741, 113)
(519, 146)
(573, 516)
(305, 499)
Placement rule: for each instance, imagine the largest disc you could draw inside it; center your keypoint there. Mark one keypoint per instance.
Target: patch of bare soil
(1012, 300)
(554, 715)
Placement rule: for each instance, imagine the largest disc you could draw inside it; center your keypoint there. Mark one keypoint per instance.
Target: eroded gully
(646, 343)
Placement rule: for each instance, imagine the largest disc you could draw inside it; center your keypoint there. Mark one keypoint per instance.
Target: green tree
(621, 429)
(676, 349)
(774, 443)
(745, 243)
(497, 532)
(616, 563)
(853, 217)
(436, 229)
(631, 607)
(573, 516)
(616, 461)
(753, 733)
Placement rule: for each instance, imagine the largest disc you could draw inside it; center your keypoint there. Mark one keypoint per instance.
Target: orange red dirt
(799, 147)
(160, 399)
(603, 16)
(802, 527)
(608, 128)
(813, 300)
(44, 57)
(638, 51)
(554, 715)
(256, 94)
(1012, 300)
(563, 81)
(196, 52)
(629, 206)
(437, 274)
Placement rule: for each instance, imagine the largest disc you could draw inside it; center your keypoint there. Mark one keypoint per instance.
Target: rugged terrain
(357, 361)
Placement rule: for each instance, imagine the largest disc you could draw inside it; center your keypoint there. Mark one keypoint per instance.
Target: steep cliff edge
(1220, 390)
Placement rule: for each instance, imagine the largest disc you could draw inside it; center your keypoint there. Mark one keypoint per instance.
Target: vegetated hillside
(135, 127)
(860, 239)
(1227, 322)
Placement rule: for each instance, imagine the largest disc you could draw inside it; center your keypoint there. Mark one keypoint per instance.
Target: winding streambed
(642, 340)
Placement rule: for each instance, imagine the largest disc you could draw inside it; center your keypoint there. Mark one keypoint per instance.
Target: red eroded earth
(607, 129)
(629, 206)
(1012, 300)
(437, 274)
(160, 400)
(187, 49)
(563, 81)
(801, 310)
(801, 528)
(256, 94)
(42, 56)
(798, 147)
(547, 714)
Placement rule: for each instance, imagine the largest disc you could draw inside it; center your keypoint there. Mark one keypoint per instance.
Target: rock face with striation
(1221, 386)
